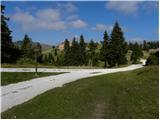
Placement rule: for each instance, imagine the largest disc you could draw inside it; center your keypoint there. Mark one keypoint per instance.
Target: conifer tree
(39, 47)
(27, 47)
(9, 53)
(117, 47)
(145, 45)
(50, 58)
(91, 52)
(82, 51)
(105, 49)
(74, 52)
(136, 52)
(67, 52)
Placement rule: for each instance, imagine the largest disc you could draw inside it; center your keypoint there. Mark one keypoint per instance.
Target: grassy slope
(132, 94)
(14, 77)
(44, 66)
(147, 53)
(47, 51)
(6, 65)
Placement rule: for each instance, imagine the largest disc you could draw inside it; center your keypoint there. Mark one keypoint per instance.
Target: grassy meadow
(132, 94)
(14, 77)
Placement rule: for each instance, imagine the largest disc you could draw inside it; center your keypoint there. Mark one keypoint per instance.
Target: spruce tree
(136, 53)
(45, 58)
(67, 51)
(27, 47)
(9, 53)
(74, 52)
(117, 47)
(145, 45)
(50, 58)
(130, 46)
(82, 51)
(55, 52)
(39, 47)
(105, 49)
(91, 52)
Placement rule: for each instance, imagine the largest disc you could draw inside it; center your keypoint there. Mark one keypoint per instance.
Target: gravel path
(21, 92)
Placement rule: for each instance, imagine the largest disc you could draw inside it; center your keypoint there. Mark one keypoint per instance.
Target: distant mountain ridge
(44, 46)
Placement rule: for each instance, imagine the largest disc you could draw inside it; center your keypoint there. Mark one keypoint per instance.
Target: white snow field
(18, 93)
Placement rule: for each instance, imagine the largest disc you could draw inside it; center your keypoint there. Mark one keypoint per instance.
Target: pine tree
(53, 47)
(136, 53)
(91, 52)
(39, 47)
(117, 47)
(105, 49)
(9, 53)
(74, 52)
(153, 59)
(145, 46)
(130, 46)
(50, 58)
(27, 47)
(82, 51)
(67, 51)
(55, 52)
(45, 58)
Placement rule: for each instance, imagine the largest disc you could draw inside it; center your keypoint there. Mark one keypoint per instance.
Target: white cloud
(70, 7)
(72, 17)
(131, 7)
(57, 25)
(27, 18)
(150, 5)
(78, 24)
(24, 18)
(102, 27)
(48, 14)
(67, 7)
(49, 19)
(43, 19)
(126, 7)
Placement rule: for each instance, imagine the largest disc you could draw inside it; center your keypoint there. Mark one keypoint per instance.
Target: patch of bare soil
(99, 111)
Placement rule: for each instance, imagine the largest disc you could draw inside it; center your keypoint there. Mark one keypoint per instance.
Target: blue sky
(52, 22)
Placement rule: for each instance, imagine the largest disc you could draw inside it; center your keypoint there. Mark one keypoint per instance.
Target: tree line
(145, 45)
(112, 52)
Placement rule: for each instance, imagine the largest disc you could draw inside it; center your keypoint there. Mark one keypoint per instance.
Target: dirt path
(14, 94)
(99, 111)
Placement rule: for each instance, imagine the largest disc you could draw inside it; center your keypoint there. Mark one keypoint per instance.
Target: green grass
(132, 94)
(14, 77)
(101, 65)
(47, 51)
(4, 65)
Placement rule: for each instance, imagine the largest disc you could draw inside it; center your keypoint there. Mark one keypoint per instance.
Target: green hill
(45, 47)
